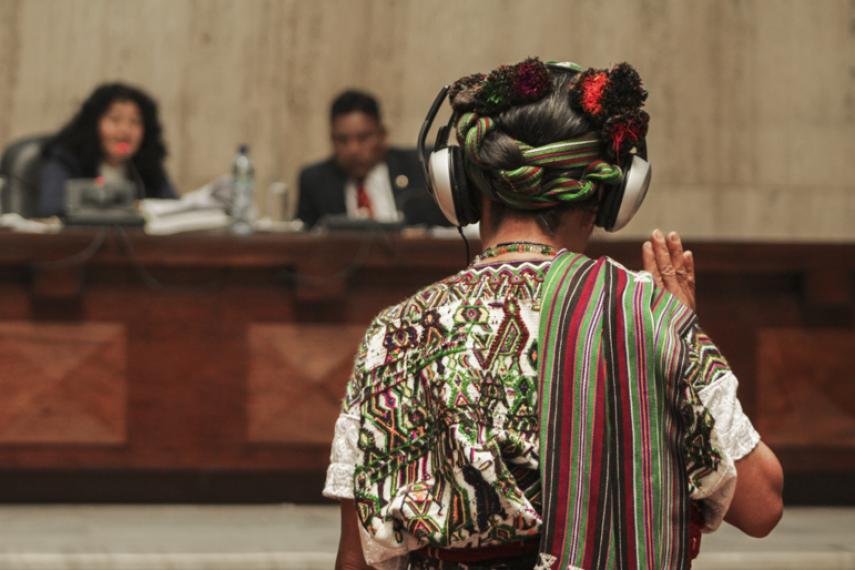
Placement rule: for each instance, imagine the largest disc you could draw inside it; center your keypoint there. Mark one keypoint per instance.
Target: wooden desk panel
(214, 352)
(63, 383)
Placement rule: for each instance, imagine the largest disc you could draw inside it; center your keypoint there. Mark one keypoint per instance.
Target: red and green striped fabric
(615, 474)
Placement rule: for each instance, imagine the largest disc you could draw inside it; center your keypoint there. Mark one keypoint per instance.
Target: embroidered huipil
(437, 440)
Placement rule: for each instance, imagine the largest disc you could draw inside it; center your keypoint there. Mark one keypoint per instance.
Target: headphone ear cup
(466, 202)
(620, 203)
(441, 183)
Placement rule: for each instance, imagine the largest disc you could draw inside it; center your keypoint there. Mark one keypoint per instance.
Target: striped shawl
(624, 439)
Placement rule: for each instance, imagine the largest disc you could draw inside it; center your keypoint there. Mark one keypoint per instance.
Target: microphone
(140, 183)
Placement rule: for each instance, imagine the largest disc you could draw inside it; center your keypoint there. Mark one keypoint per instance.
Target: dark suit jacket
(322, 190)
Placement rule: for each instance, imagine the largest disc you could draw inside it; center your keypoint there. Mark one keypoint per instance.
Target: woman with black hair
(115, 134)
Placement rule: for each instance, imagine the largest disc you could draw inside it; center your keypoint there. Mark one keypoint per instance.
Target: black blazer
(322, 190)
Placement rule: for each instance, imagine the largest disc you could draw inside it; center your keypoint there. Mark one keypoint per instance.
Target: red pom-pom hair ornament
(591, 90)
(624, 92)
(531, 81)
(612, 100)
(601, 94)
(623, 132)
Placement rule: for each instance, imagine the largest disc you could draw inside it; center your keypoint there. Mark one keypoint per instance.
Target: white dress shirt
(379, 191)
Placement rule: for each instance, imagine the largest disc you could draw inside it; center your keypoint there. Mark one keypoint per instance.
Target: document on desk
(201, 209)
(186, 221)
(17, 223)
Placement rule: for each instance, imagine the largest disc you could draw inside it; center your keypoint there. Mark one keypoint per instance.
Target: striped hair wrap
(544, 179)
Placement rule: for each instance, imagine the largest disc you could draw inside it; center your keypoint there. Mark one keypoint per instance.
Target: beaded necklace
(515, 247)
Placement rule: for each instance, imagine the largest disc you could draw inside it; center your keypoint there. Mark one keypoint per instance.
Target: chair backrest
(20, 166)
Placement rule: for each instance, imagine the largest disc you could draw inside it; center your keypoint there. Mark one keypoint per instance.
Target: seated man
(364, 178)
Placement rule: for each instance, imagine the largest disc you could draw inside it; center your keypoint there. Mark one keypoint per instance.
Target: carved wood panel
(296, 380)
(62, 383)
(806, 387)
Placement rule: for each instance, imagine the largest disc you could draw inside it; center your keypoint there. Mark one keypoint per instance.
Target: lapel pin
(401, 181)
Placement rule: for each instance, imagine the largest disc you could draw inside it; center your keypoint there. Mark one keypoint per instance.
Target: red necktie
(363, 202)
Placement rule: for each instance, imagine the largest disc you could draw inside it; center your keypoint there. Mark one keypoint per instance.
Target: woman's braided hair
(537, 137)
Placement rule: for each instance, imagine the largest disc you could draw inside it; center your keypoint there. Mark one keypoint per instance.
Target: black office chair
(20, 167)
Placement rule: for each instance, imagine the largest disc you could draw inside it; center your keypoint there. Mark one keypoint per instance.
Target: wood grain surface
(205, 352)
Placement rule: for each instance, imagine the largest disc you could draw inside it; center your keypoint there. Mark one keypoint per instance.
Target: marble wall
(752, 101)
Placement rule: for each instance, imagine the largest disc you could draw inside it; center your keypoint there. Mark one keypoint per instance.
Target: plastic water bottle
(243, 175)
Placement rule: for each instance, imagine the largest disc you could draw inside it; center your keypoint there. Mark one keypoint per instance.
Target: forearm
(350, 555)
(757, 504)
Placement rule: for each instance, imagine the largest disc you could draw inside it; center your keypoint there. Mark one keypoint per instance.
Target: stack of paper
(202, 209)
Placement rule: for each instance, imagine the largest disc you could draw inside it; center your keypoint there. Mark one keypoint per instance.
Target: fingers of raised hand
(689, 282)
(664, 263)
(675, 251)
(689, 264)
(649, 262)
(676, 267)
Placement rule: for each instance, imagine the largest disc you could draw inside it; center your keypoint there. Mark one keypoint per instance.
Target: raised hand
(672, 268)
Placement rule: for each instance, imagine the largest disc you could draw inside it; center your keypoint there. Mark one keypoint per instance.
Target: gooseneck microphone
(123, 150)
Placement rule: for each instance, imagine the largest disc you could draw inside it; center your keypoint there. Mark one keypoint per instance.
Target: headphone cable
(75, 259)
(465, 244)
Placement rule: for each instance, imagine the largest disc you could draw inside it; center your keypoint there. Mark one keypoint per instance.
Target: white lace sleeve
(736, 437)
(735, 431)
(344, 456)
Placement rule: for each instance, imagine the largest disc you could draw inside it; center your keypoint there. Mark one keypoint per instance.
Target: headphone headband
(426, 125)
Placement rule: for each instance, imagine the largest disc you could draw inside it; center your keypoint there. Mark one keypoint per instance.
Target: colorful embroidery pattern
(446, 385)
